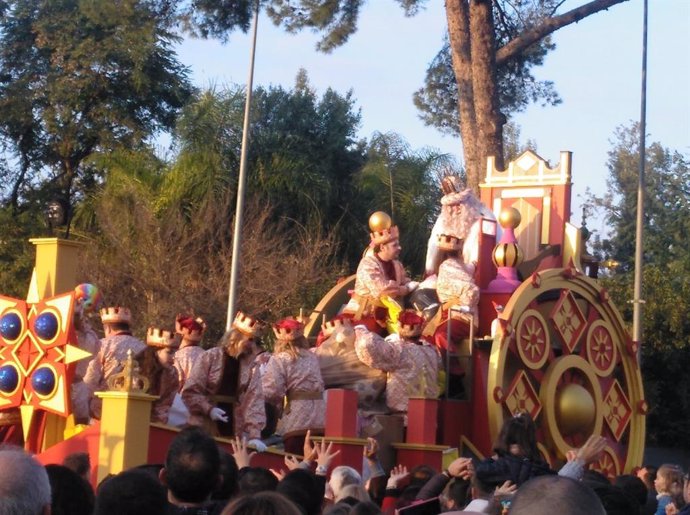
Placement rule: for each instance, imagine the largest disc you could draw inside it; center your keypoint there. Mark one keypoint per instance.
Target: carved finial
(129, 380)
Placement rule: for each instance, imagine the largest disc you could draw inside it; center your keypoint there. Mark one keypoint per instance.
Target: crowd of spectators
(199, 478)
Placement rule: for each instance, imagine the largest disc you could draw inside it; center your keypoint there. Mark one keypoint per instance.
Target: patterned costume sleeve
(370, 274)
(374, 351)
(195, 393)
(274, 381)
(252, 406)
(169, 385)
(94, 372)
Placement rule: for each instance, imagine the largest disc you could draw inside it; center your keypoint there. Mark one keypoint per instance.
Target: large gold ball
(380, 221)
(575, 409)
(509, 217)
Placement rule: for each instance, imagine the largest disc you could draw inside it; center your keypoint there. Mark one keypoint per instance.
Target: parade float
(557, 349)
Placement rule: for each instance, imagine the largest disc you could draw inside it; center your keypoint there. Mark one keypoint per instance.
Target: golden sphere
(575, 409)
(380, 221)
(509, 217)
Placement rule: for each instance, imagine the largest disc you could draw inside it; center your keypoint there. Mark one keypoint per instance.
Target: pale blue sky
(596, 68)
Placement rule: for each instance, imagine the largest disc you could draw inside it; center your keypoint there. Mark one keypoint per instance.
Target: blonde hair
(292, 347)
(232, 342)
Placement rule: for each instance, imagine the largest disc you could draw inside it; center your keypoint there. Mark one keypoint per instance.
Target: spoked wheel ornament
(564, 357)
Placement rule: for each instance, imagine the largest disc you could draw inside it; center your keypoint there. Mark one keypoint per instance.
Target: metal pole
(237, 234)
(637, 290)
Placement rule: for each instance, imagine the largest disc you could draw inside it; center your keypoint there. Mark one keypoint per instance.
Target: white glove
(412, 286)
(217, 414)
(257, 444)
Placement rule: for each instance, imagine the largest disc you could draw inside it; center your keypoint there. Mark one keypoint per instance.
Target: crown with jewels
(449, 242)
(161, 338)
(190, 334)
(331, 325)
(382, 236)
(247, 325)
(116, 315)
(410, 324)
(288, 329)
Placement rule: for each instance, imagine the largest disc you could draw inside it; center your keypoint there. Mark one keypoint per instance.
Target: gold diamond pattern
(607, 464)
(521, 396)
(568, 320)
(617, 410)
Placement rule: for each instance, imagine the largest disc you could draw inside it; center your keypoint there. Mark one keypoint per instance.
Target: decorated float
(545, 339)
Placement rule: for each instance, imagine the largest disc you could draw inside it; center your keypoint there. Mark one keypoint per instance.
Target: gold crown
(116, 315)
(247, 325)
(288, 333)
(383, 236)
(330, 326)
(449, 242)
(187, 334)
(161, 338)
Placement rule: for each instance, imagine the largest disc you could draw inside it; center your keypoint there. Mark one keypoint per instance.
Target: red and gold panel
(617, 410)
(521, 397)
(37, 352)
(533, 340)
(601, 350)
(607, 464)
(568, 320)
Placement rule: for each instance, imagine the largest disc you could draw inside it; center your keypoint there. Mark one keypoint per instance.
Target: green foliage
(666, 273)
(16, 252)
(405, 184)
(437, 100)
(78, 77)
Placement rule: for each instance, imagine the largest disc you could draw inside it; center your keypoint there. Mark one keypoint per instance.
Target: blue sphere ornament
(46, 326)
(43, 381)
(10, 326)
(9, 379)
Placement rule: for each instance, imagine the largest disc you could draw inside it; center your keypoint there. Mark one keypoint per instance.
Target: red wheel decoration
(601, 350)
(533, 339)
(567, 364)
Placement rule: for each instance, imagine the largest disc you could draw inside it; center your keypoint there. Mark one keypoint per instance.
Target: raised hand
(240, 452)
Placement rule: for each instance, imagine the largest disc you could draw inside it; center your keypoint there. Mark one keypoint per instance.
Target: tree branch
(518, 44)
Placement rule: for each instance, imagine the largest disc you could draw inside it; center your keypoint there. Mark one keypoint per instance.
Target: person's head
(116, 319)
(541, 495)
(686, 488)
(669, 479)
(302, 488)
(165, 343)
(341, 477)
(357, 492)
(71, 494)
(389, 251)
(24, 485)
(456, 494)
(236, 343)
(633, 486)
(365, 508)
(252, 480)
(615, 500)
(228, 473)
(192, 467)
(190, 329)
(289, 334)
(80, 463)
(518, 437)
(262, 503)
(647, 473)
(150, 367)
(420, 474)
(134, 492)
